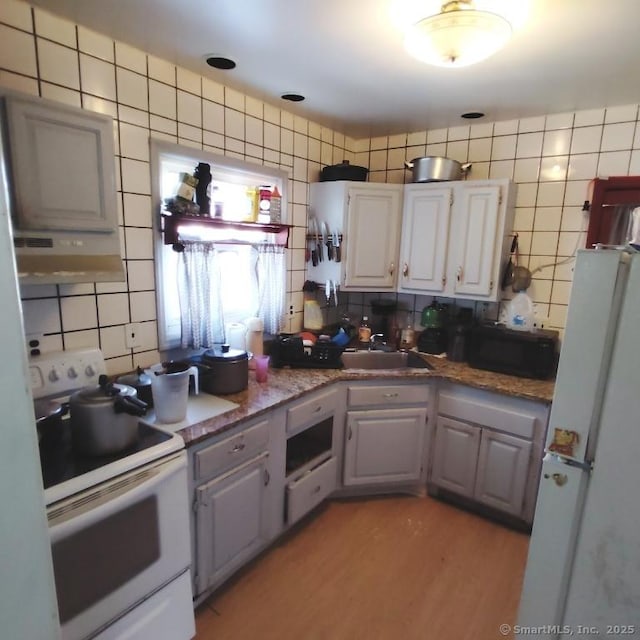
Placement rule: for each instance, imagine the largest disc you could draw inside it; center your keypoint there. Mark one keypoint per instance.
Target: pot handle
(465, 168)
(132, 406)
(408, 165)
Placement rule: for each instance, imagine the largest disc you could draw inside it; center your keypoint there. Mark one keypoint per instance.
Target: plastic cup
(262, 368)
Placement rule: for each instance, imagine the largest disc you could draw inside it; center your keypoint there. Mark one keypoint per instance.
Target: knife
(329, 242)
(335, 293)
(323, 233)
(336, 244)
(313, 232)
(327, 291)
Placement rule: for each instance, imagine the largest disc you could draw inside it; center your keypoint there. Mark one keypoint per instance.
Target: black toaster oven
(528, 354)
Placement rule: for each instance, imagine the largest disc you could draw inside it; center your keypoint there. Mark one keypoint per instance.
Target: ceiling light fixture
(458, 36)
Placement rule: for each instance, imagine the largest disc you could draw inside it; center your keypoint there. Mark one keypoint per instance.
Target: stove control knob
(54, 376)
(90, 371)
(72, 373)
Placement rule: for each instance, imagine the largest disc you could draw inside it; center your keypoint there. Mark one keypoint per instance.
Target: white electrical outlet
(132, 335)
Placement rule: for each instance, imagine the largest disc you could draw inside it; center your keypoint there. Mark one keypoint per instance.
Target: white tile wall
(552, 158)
(148, 96)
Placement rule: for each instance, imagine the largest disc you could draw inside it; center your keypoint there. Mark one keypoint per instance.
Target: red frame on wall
(605, 194)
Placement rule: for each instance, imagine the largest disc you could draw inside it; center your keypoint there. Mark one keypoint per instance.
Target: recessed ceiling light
(292, 97)
(472, 115)
(220, 62)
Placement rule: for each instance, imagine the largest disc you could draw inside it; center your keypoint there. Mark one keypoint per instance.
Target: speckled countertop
(285, 385)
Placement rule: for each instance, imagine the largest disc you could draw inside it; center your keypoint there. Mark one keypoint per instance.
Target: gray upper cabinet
(59, 163)
(62, 167)
(455, 238)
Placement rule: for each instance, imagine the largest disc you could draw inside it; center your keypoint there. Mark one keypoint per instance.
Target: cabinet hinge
(451, 199)
(500, 196)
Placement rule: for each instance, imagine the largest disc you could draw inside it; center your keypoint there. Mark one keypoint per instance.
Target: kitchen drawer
(312, 410)
(311, 489)
(232, 451)
(388, 395)
(517, 421)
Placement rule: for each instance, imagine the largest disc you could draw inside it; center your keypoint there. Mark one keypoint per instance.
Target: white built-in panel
(384, 446)
(371, 243)
(503, 466)
(230, 521)
(425, 233)
(455, 456)
(473, 239)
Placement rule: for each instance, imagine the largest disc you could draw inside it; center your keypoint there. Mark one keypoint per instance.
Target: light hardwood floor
(386, 568)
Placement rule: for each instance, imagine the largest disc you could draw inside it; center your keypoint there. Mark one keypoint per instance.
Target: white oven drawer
(311, 489)
(158, 617)
(232, 451)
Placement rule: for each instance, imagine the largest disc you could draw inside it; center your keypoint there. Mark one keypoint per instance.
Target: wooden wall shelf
(172, 223)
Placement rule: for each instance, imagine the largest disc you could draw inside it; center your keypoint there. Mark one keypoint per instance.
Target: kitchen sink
(383, 360)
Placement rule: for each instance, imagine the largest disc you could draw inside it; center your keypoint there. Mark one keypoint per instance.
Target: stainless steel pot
(104, 419)
(437, 169)
(222, 370)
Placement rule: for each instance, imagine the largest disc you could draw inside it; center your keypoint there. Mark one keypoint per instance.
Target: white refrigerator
(583, 570)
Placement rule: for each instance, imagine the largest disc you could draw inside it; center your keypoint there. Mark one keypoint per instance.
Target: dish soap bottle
(364, 332)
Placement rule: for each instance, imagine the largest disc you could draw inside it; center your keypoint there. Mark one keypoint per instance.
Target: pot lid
(137, 378)
(224, 353)
(45, 408)
(103, 393)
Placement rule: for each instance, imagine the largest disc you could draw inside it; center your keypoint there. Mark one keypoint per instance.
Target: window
(236, 261)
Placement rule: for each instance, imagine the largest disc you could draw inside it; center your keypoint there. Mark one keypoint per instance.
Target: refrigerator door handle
(571, 462)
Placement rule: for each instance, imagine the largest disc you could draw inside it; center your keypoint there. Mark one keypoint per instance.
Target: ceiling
(347, 57)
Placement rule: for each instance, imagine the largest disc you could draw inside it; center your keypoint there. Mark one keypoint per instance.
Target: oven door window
(309, 445)
(116, 549)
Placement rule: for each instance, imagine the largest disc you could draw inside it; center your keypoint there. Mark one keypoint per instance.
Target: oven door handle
(142, 484)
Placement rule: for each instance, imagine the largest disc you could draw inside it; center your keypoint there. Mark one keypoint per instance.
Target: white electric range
(118, 524)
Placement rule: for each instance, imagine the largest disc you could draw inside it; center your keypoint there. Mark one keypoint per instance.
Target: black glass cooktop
(59, 462)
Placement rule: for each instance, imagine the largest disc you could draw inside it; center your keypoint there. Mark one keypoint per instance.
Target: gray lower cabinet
(385, 438)
(487, 448)
(481, 464)
(232, 502)
(231, 522)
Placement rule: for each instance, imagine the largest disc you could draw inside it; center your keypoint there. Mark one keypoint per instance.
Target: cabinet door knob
(350, 434)
(238, 447)
(405, 270)
(392, 268)
(267, 477)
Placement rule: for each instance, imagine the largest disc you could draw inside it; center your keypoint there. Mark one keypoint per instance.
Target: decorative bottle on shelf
(203, 176)
(275, 211)
(364, 331)
(264, 200)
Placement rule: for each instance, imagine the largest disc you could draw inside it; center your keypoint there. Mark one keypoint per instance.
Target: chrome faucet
(373, 340)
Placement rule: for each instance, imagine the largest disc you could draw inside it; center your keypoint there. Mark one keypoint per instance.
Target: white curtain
(271, 269)
(199, 289)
